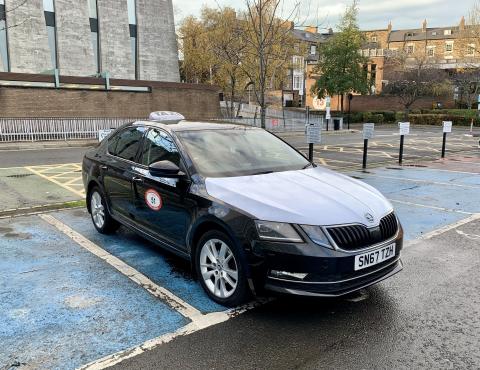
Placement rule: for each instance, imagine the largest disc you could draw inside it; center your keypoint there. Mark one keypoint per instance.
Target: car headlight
(317, 235)
(277, 231)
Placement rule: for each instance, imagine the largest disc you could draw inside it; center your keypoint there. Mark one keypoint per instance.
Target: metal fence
(276, 120)
(50, 129)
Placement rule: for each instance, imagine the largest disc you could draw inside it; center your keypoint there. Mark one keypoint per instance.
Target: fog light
(288, 275)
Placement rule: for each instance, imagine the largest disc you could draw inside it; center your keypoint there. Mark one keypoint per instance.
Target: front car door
(117, 170)
(162, 207)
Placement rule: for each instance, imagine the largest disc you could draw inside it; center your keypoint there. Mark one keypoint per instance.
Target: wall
(27, 37)
(75, 49)
(157, 43)
(114, 34)
(194, 101)
(382, 103)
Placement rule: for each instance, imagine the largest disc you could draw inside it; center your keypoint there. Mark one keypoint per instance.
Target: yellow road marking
(57, 173)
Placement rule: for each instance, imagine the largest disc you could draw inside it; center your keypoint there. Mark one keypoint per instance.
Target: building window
(298, 62)
(410, 49)
(373, 39)
(447, 32)
(313, 49)
(132, 21)
(297, 83)
(430, 51)
(471, 50)
(4, 62)
(449, 46)
(93, 15)
(49, 12)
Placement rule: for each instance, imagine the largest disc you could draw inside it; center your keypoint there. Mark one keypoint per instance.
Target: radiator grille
(355, 237)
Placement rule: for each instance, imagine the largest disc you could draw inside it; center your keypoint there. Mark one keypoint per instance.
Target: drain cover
(20, 175)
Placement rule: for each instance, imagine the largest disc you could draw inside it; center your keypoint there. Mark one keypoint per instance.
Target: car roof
(194, 125)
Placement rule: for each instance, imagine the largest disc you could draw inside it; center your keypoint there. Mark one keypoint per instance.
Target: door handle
(137, 180)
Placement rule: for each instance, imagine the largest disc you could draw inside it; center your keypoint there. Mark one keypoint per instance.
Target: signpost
(404, 130)
(313, 132)
(447, 128)
(328, 114)
(102, 134)
(368, 133)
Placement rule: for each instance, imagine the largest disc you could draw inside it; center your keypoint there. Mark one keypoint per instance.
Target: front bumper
(329, 273)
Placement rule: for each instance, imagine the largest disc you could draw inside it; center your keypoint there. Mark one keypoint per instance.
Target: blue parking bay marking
(426, 199)
(61, 306)
(163, 268)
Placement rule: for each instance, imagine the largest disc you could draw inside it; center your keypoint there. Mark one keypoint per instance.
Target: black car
(249, 211)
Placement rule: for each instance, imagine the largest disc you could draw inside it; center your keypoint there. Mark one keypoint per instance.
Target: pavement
(72, 298)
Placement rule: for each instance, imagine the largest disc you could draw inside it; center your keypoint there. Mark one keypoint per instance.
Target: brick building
(447, 48)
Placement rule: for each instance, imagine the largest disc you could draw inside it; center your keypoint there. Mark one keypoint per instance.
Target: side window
(159, 146)
(126, 143)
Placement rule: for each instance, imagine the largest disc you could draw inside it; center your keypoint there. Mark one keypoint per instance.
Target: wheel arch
(208, 224)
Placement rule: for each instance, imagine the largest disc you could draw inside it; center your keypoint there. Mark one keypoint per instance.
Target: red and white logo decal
(153, 200)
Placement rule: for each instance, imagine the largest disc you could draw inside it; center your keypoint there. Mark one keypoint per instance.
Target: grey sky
(373, 13)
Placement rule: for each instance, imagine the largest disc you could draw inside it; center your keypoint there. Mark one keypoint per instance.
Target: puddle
(22, 236)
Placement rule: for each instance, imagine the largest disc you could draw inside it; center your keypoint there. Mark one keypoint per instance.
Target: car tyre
(101, 218)
(221, 269)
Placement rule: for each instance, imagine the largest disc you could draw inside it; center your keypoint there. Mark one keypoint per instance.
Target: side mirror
(165, 169)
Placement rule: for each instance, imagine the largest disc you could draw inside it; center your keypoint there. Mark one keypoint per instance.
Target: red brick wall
(380, 103)
(194, 101)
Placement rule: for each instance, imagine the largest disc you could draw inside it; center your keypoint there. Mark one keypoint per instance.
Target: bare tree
(269, 45)
(4, 15)
(412, 77)
(467, 83)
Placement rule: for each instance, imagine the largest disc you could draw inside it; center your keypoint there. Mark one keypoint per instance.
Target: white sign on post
(328, 114)
(314, 133)
(368, 131)
(404, 128)
(447, 126)
(102, 134)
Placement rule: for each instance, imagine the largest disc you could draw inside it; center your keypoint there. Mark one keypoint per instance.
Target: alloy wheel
(97, 209)
(218, 268)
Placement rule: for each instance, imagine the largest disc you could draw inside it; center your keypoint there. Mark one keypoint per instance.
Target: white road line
(431, 207)
(443, 230)
(172, 300)
(198, 322)
(196, 325)
(427, 181)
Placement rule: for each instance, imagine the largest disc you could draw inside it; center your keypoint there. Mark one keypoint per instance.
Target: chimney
(462, 24)
(389, 26)
(424, 26)
(311, 29)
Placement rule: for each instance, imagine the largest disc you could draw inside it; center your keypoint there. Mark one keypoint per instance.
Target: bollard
(365, 149)
(444, 144)
(400, 155)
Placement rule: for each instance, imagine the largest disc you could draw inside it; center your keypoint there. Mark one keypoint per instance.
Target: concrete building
(128, 39)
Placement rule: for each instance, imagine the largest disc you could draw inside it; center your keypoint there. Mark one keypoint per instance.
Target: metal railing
(276, 119)
(51, 129)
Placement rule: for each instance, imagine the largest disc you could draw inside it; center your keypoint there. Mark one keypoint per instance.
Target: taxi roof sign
(166, 117)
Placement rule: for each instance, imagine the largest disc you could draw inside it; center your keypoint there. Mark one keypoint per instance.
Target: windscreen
(239, 152)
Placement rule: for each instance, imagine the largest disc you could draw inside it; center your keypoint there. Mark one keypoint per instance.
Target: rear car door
(162, 207)
(123, 149)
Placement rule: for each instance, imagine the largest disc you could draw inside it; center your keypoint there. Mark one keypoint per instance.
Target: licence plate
(365, 260)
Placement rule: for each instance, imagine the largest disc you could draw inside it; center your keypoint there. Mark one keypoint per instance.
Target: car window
(126, 143)
(159, 146)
